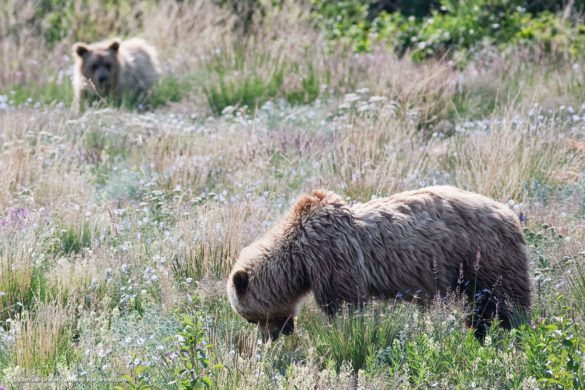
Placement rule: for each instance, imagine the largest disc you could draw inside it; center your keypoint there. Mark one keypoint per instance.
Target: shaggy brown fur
(418, 243)
(114, 68)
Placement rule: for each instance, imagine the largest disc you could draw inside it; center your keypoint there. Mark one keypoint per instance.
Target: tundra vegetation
(119, 225)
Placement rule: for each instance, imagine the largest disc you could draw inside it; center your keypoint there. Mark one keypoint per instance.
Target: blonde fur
(415, 244)
(135, 67)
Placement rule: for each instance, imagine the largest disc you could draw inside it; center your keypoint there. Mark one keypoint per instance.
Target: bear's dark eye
(108, 67)
(94, 67)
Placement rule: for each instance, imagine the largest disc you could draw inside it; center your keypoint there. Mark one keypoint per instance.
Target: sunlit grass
(118, 226)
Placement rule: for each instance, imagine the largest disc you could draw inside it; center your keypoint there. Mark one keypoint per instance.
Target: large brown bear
(417, 243)
(114, 68)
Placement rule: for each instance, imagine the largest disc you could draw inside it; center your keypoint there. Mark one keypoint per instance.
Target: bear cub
(114, 68)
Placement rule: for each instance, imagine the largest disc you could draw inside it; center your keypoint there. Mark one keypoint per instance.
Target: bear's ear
(304, 205)
(241, 282)
(80, 49)
(328, 197)
(115, 45)
(319, 198)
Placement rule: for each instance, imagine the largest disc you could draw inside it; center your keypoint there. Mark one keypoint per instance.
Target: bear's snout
(274, 329)
(288, 327)
(102, 77)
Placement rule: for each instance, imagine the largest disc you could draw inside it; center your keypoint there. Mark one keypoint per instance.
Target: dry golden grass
(37, 163)
(213, 237)
(422, 91)
(130, 213)
(376, 155)
(503, 162)
(41, 337)
(198, 28)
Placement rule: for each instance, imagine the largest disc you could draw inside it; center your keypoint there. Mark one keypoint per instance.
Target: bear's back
(422, 238)
(450, 204)
(139, 65)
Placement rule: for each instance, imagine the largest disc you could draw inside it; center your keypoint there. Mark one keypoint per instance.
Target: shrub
(192, 363)
(554, 351)
(552, 35)
(450, 27)
(344, 20)
(430, 360)
(460, 25)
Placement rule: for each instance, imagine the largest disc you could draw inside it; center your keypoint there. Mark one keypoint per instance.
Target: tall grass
(43, 339)
(503, 157)
(355, 336)
(21, 276)
(111, 221)
(378, 153)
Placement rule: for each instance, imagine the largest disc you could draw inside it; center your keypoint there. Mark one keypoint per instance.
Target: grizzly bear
(417, 244)
(114, 68)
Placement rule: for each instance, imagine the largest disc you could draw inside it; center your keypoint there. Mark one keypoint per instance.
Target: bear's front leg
(76, 107)
(331, 297)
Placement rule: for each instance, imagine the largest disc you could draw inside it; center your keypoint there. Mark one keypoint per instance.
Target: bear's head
(252, 295)
(268, 280)
(99, 64)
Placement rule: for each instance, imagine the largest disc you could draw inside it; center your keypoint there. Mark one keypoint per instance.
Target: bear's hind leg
(485, 308)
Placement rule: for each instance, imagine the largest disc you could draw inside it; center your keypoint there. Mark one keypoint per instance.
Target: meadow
(119, 225)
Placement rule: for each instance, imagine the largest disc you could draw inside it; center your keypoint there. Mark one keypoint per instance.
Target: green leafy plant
(451, 27)
(554, 350)
(193, 367)
(137, 378)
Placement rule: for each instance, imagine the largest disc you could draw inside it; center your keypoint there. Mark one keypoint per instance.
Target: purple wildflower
(18, 215)
(15, 218)
(523, 218)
